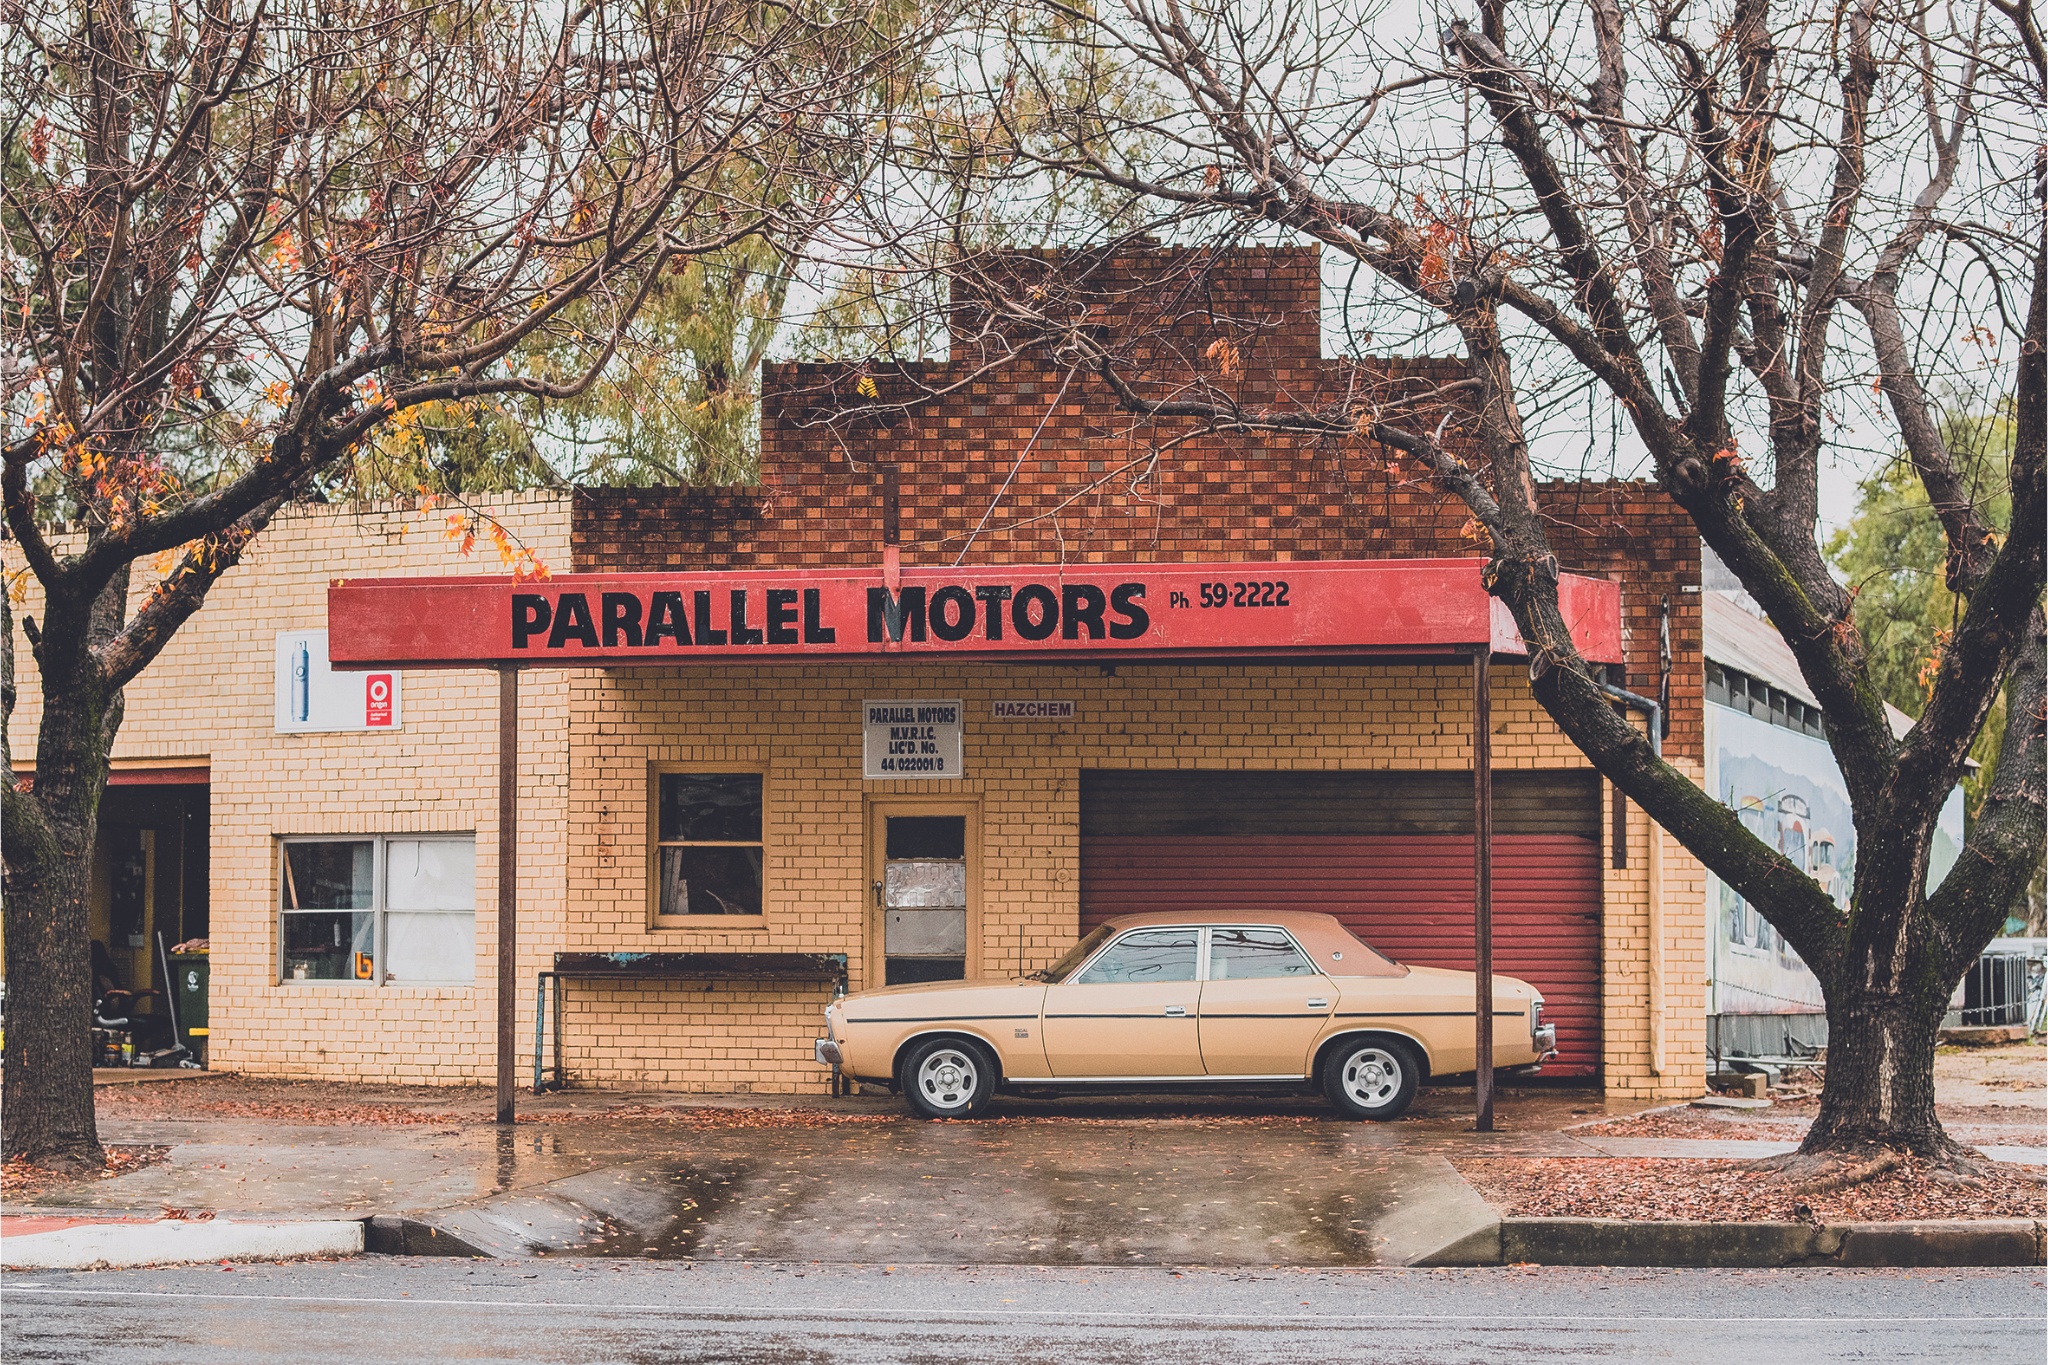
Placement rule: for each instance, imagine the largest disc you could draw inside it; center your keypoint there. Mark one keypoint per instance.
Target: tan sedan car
(1160, 1000)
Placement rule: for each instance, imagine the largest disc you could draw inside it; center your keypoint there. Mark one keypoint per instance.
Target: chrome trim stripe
(1426, 1014)
(1161, 1015)
(953, 1019)
(1296, 1014)
(1132, 1080)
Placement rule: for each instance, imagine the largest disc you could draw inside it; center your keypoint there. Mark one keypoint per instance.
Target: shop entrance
(922, 890)
(148, 899)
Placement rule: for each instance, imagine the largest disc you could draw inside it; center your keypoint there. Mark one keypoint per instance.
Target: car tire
(1372, 1078)
(947, 1078)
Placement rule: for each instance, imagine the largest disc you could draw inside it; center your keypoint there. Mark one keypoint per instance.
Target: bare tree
(1749, 229)
(242, 237)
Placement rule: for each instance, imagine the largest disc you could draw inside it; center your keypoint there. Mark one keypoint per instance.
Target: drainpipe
(1654, 874)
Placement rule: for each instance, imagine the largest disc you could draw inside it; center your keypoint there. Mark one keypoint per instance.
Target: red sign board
(1237, 610)
(377, 700)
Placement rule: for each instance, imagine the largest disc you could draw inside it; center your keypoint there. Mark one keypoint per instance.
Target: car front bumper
(1544, 1038)
(826, 1052)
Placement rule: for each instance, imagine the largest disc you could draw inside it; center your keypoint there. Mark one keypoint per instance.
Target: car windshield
(1076, 955)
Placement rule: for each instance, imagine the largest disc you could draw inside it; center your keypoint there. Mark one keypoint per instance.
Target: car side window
(1246, 954)
(1145, 955)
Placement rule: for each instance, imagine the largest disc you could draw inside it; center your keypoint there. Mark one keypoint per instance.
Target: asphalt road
(385, 1309)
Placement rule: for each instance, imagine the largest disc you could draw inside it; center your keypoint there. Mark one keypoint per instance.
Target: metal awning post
(508, 885)
(1482, 887)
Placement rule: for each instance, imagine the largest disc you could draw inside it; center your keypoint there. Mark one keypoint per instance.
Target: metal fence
(1995, 991)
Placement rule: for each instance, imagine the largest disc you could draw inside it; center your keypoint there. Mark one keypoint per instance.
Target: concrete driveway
(1249, 1181)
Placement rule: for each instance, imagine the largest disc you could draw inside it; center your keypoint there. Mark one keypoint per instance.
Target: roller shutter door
(1389, 854)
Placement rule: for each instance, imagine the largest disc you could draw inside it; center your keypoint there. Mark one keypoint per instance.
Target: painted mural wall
(1788, 791)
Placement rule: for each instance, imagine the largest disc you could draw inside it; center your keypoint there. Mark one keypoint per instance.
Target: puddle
(652, 1210)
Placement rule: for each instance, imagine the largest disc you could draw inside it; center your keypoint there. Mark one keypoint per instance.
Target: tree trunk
(48, 1108)
(1879, 1091)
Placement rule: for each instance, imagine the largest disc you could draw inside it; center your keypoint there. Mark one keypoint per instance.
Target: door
(921, 896)
(1130, 1012)
(1262, 1006)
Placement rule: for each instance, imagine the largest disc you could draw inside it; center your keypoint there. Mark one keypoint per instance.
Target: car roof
(1324, 936)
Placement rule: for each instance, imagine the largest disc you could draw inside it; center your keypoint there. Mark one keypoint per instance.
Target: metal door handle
(1319, 1004)
(1177, 1010)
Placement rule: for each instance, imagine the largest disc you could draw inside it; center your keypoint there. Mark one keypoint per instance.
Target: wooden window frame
(655, 918)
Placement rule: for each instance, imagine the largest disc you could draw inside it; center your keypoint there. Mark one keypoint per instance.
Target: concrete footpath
(1157, 1181)
(54, 1243)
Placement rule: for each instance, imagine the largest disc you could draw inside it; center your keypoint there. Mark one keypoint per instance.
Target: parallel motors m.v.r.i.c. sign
(910, 737)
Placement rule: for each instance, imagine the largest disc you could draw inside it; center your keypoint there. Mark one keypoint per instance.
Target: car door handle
(1319, 1004)
(1176, 1011)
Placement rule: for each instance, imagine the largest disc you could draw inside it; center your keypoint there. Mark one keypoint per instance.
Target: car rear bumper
(826, 1052)
(1545, 1041)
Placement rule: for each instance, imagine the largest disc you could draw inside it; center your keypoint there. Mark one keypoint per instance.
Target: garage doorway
(923, 894)
(1388, 853)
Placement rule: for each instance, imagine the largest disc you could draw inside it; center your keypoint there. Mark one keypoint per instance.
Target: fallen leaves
(1695, 1123)
(711, 1116)
(19, 1177)
(1664, 1189)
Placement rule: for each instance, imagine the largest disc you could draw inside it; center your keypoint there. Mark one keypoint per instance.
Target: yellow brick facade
(591, 738)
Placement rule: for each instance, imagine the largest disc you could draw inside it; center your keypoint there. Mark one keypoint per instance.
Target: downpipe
(1653, 873)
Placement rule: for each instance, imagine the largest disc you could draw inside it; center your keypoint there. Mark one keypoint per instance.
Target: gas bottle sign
(311, 697)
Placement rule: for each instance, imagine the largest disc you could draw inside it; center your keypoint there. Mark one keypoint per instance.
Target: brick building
(721, 806)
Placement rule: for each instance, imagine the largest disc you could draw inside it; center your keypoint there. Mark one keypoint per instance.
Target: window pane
(1147, 955)
(430, 874)
(1242, 954)
(329, 876)
(1077, 954)
(927, 836)
(715, 806)
(430, 946)
(330, 947)
(925, 885)
(711, 881)
(925, 933)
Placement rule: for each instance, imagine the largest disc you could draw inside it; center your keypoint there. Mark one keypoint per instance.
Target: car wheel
(1372, 1078)
(948, 1078)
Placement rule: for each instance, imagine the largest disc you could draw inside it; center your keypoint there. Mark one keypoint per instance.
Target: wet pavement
(592, 1313)
(1052, 1190)
(1092, 1181)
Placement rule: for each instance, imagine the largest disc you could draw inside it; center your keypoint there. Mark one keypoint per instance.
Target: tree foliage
(1752, 230)
(269, 250)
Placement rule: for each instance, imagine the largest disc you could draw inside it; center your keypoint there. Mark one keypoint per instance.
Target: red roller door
(1409, 895)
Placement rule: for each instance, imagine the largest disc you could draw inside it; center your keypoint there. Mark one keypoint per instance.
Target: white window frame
(378, 908)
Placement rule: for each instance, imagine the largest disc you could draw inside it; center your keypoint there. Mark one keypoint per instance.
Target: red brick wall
(1002, 464)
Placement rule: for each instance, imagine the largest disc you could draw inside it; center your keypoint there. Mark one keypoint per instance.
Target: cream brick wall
(1630, 1070)
(208, 699)
(589, 738)
(800, 726)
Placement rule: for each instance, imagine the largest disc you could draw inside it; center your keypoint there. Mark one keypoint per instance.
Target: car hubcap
(947, 1079)
(1372, 1077)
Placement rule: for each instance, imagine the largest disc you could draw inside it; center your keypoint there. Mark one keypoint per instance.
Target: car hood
(945, 998)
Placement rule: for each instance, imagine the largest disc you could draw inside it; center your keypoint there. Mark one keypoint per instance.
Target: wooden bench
(825, 968)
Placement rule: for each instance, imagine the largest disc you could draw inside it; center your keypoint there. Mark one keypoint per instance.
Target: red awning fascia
(1215, 611)
(193, 775)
